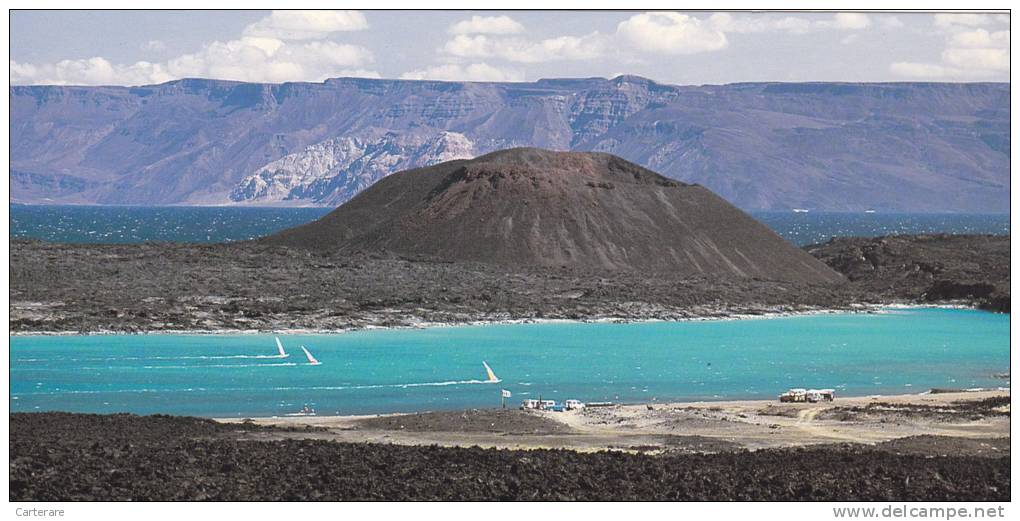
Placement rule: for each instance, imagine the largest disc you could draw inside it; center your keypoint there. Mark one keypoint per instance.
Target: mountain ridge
(765, 145)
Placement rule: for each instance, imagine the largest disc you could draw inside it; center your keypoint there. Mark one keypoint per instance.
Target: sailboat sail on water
(311, 359)
(279, 346)
(492, 378)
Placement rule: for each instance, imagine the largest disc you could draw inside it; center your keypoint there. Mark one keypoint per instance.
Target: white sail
(311, 359)
(279, 346)
(492, 378)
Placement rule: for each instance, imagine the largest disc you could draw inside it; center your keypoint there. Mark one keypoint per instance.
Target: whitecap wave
(119, 358)
(220, 366)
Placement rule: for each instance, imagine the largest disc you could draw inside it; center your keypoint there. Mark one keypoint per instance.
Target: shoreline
(936, 392)
(857, 308)
(972, 418)
(842, 398)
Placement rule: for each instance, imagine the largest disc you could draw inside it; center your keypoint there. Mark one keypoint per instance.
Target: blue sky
(145, 47)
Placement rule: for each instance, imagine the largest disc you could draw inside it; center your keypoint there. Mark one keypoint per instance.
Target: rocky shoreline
(972, 269)
(159, 287)
(412, 323)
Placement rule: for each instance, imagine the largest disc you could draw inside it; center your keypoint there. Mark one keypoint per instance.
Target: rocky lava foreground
(75, 457)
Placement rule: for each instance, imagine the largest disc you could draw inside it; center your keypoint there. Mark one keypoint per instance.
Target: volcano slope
(529, 207)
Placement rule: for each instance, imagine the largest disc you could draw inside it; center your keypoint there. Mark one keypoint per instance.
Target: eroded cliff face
(821, 146)
(333, 171)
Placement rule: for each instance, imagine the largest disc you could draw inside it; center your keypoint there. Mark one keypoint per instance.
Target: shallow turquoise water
(441, 368)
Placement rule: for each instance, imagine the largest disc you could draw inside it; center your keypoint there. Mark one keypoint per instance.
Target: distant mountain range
(822, 146)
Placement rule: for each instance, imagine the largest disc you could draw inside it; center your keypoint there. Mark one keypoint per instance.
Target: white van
(573, 404)
(820, 395)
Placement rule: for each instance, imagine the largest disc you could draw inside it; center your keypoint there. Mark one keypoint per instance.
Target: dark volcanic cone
(532, 207)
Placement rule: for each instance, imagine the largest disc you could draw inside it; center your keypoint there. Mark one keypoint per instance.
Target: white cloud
(728, 23)
(919, 70)
(269, 60)
(456, 72)
(889, 22)
(306, 25)
(90, 71)
(154, 46)
(496, 38)
(758, 24)
(979, 38)
(235, 60)
(487, 25)
(991, 60)
(970, 51)
(469, 46)
(848, 21)
(934, 71)
(570, 47)
(284, 46)
(671, 33)
(524, 51)
(968, 19)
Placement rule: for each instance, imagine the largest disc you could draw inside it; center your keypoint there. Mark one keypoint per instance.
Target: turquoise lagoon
(377, 371)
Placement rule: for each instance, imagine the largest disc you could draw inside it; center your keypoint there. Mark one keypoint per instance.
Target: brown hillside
(536, 207)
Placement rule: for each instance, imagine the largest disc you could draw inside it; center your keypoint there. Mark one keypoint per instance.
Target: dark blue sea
(130, 224)
(126, 224)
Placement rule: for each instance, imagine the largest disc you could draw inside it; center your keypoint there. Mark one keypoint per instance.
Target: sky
(684, 48)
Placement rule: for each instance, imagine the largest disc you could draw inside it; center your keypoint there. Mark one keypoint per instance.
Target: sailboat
(311, 359)
(279, 346)
(492, 378)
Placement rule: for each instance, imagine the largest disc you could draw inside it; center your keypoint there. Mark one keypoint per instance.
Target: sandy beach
(971, 418)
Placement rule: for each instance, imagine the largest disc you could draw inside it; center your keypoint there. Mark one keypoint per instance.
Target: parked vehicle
(552, 405)
(794, 395)
(573, 404)
(808, 395)
(820, 395)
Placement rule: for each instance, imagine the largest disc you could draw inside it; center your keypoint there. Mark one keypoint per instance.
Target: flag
(506, 394)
